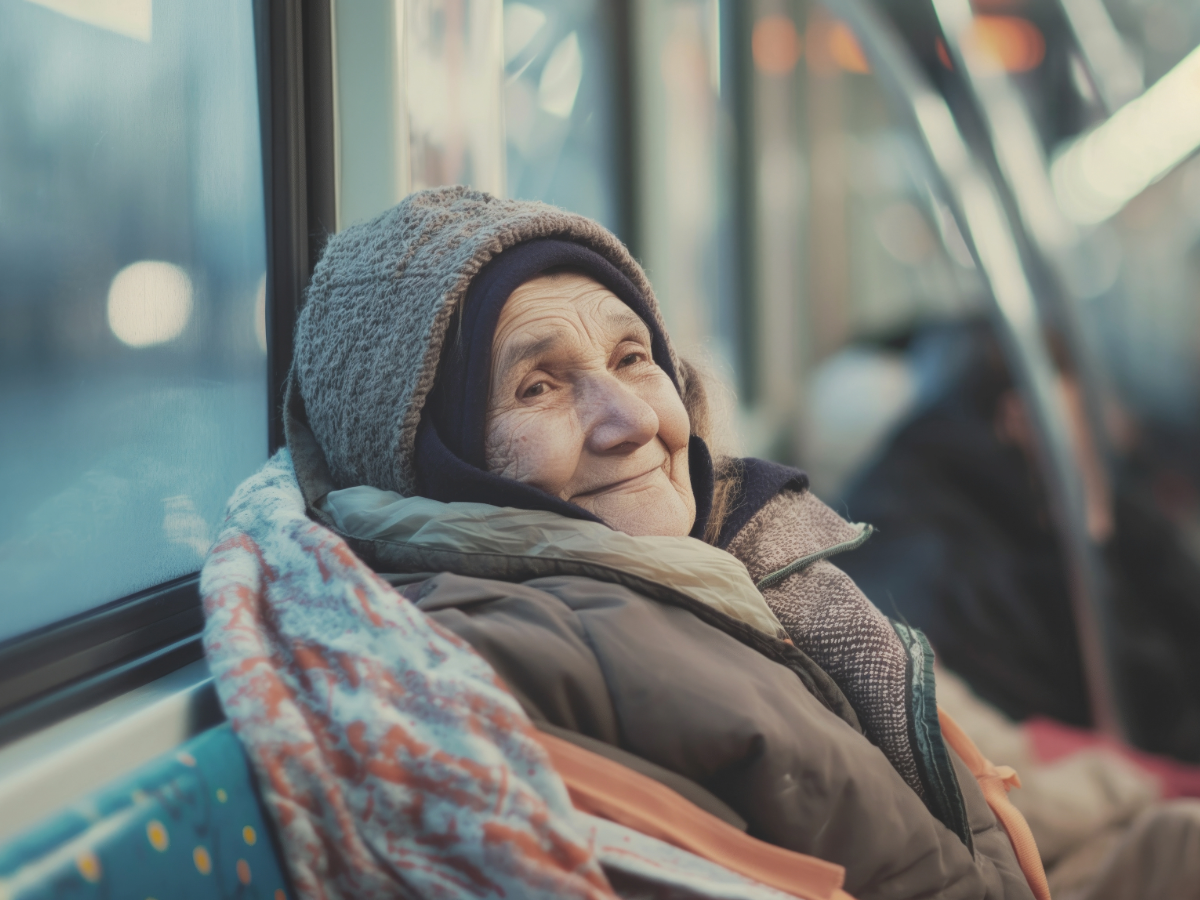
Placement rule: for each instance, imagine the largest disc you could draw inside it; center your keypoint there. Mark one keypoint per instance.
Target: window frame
(62, 668)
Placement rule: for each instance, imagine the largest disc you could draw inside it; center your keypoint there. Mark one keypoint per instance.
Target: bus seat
(187, 825)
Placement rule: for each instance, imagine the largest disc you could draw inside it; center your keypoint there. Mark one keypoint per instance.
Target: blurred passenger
(1110, 823)
(966, 551)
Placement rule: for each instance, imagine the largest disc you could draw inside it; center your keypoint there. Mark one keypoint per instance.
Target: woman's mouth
(633, 482)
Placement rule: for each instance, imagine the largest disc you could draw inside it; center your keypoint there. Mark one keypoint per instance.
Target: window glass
(514, 98)
(684, 175)
(419, 100)
(455, 112)
(558, 104)
(132, 337)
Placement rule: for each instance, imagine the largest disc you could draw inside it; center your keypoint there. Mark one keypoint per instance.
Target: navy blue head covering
(450, 442)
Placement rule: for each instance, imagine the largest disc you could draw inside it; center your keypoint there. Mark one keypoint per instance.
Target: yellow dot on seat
(221, 795)
(202, 860)
(88, 865)
(243, 870)
(279, 894)
(249, 835)
(156, 833)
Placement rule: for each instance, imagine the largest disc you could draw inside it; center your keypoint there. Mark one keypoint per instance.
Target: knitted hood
(371, 334)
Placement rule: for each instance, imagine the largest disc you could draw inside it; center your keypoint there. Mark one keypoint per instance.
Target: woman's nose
(615, 418)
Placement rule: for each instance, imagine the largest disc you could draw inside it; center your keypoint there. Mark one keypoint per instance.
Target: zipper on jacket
(805, 561)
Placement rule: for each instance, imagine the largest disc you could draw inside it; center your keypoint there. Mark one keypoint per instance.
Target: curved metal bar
(1112, 68)
(981, 218)
(1024, 176)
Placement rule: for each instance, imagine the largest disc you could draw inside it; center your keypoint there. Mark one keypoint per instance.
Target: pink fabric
(1052, 741)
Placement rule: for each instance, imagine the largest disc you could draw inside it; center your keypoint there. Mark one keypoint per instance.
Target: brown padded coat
(745, 717)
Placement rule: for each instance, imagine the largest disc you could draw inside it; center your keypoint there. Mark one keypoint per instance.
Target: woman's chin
(657, 509)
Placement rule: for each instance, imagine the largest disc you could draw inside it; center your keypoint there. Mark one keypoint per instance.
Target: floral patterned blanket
(392, 760)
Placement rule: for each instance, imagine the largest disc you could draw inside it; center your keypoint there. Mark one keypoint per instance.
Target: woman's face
(579, 408)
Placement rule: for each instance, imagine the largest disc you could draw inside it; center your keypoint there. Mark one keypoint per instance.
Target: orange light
(1015, 43)
(776, 45)
(943, 54)
(845, 50)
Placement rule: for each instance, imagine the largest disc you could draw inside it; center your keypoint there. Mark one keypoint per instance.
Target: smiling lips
(632, 481)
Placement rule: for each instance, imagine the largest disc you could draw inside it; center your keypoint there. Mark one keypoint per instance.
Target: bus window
(418, 100)
(684, 176)
(132, 336)
(517, 99)
(560, 98)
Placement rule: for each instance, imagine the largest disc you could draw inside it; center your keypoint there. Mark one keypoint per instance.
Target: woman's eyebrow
(527, 348)
(524, 349)
(627, 319)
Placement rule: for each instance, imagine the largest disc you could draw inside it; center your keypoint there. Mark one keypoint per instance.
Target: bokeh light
(559, 84)
(522, 23)
(149, 302)
(1015, 43)
(845, 50)
(775, 45)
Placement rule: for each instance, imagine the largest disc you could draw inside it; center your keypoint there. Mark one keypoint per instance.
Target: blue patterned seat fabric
(187, 826)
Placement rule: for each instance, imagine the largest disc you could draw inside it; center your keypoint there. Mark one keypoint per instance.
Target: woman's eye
(534, 389)
(629, 360)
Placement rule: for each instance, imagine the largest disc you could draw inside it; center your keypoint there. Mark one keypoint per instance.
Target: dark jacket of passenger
(965, 550)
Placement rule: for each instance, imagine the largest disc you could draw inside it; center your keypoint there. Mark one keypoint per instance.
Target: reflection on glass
(455, 110)
(685, 174)
(372, 172)
(132, 343)
(558, 105)
(419, 100)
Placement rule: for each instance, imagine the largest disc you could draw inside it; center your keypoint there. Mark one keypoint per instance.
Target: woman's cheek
(536, 446)
(674, 428)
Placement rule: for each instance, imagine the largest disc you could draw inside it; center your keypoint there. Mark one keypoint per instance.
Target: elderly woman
(486, 407)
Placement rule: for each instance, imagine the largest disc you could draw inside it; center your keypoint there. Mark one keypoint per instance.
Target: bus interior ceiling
(941, 255)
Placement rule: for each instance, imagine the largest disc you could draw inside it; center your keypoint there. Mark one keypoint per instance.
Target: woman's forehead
(551, 300)
(564, 286)
(550, 314)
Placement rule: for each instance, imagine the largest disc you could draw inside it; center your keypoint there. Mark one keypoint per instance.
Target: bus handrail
(981, 217)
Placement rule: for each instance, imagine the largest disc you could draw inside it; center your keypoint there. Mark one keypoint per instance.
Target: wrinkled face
(579, 409)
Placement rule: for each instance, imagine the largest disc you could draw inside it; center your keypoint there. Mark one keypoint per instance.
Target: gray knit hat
(371, 334)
